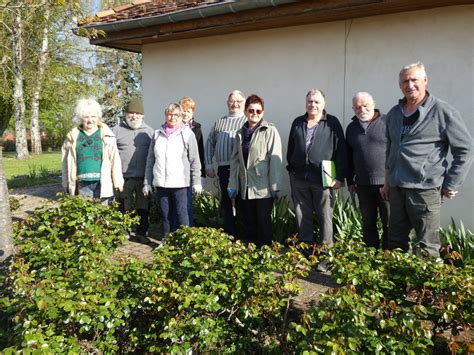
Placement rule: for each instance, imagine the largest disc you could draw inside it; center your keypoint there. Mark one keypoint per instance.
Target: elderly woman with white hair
(90, 159)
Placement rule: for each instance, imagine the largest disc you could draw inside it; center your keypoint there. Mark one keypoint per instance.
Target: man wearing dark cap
(133, 139)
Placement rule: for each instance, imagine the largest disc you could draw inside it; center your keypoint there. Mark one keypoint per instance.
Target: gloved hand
(274, 194)
(203, 181)
(146, 190)
(232, 192)
(197, 189)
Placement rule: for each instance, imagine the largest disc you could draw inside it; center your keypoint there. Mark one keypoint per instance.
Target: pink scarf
(169, 130)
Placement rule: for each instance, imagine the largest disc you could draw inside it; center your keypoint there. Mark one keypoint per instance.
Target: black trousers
(223, 173)
(258, 220)
(371, 205)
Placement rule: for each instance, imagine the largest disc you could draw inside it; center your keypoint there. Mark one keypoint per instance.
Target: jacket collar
(323, 117)
(429, 101)
(354, 118)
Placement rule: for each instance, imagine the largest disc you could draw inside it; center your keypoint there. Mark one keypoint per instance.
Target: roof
(146, 8)
(130, 27)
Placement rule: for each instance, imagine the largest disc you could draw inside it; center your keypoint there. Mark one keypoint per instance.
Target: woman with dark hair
(255, 171)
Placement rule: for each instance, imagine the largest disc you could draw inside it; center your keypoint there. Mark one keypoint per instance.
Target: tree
(46, 69)
(120, 75)
(18, 91)
(35, 98)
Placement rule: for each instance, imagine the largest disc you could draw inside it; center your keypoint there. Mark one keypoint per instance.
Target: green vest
(89, 155)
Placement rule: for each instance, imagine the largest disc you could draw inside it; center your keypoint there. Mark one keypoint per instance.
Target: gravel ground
(31, 198)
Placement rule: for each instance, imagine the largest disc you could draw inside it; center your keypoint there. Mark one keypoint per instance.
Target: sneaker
(323, 266)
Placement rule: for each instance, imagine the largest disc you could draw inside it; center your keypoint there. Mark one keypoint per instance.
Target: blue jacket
(419, 161)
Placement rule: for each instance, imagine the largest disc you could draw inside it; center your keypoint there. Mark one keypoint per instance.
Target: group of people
(397, 163)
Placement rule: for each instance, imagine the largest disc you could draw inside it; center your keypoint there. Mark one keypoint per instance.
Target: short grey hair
(173, 106)
(418, 65)
(362, 94)
(85, 107)
(314, 92)
(235, 92)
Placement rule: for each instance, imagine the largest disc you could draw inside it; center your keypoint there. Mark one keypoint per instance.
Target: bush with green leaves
(63, 289)
(68, 292)
(390, 302)
(207, 293)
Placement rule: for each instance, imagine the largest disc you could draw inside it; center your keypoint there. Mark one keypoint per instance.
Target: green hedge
(69, 291)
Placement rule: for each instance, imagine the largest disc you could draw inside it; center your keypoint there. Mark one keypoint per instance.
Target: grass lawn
(39, 170)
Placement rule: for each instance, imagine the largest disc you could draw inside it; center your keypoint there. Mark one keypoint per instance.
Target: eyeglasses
(233, 102)
(251, 110)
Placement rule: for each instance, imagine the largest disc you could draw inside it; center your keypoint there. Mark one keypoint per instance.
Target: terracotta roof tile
(138, 2)
(122, 7)
(105, 13)
(148, 8)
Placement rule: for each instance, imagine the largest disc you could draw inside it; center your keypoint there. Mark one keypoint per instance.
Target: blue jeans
(173, 201)
(174, 218)
(89, 189)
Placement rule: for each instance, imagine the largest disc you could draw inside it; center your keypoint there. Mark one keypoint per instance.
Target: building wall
(340, 58)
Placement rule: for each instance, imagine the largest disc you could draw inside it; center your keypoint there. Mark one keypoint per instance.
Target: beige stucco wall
(340, 58)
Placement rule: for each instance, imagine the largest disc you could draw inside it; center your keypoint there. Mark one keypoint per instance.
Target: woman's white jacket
(173, 161)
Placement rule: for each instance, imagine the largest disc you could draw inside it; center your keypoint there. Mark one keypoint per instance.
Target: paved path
(31, 198)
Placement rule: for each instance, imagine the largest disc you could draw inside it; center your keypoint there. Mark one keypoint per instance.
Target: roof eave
(284, 13)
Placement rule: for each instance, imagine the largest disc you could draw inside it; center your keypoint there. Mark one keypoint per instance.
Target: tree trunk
(42, 58)
(6, 243)
(18, 92)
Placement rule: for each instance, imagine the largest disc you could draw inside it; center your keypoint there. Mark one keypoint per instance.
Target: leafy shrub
(391, 302)
(207, 293)
(63, 289)
(68, 293)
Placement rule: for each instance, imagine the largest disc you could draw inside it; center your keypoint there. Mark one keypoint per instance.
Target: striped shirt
(221, 140)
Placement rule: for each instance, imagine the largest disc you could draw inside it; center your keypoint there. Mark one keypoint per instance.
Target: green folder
(328, 171)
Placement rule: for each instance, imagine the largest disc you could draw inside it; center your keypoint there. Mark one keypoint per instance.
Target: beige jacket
(263, 172)
(111, 169)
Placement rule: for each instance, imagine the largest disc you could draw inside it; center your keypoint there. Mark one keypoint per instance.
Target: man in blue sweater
(366, 143)
(421, 130)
